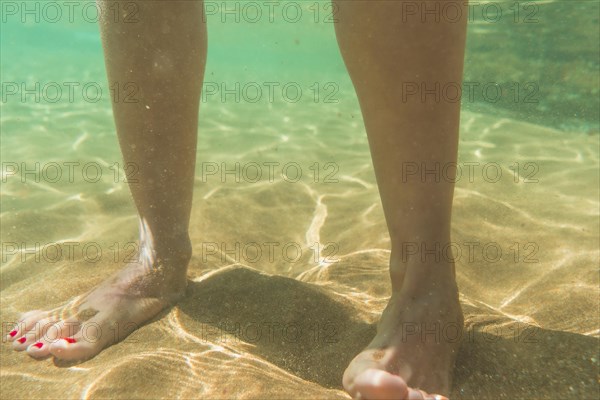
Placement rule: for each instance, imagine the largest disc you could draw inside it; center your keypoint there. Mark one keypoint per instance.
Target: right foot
(106, 315)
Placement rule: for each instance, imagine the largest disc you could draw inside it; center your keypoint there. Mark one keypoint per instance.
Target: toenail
(22, 339)
(69, 339)
(13, 333)
(38, 345)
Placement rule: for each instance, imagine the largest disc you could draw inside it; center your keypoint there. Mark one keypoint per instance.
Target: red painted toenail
(69, 339)
(38, 345)
(21, 340)
(13, 333)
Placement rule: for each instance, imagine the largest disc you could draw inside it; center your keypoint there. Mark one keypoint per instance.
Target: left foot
(416, 344)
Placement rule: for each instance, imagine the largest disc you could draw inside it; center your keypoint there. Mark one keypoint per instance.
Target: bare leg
(163, 54)
(383, 53)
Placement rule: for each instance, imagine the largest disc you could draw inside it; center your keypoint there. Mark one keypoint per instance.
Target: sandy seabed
(282, 314)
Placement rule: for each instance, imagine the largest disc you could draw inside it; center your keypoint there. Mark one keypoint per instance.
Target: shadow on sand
(313, 334)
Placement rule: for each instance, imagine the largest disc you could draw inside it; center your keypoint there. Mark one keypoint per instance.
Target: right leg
(163, 54)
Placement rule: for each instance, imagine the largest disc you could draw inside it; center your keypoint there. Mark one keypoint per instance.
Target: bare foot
(108, 313)
(416, 344)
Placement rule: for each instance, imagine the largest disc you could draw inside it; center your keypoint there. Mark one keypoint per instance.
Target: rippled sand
(273, 325)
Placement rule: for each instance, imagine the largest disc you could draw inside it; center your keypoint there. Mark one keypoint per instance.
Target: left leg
(385, 49)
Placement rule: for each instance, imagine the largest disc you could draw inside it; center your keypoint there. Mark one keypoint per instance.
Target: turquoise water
(542, 55)
(542, 131)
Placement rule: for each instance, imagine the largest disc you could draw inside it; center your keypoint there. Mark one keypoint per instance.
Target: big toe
(84, 344)
(74, 349)
(374, 384)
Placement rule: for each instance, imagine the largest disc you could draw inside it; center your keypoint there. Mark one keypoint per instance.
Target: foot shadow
(314, 335)
(507, 359)
(297, 326)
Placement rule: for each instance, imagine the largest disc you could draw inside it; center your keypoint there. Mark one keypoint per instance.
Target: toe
(73, 349)
(35, 332)
(26, 323)
(38, 350)
(86, 343)
(53, 332)
(377, 384)
(374, 384)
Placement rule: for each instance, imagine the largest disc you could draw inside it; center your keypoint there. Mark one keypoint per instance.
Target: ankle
(175, 249)
(422, 274)
(170, 252)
